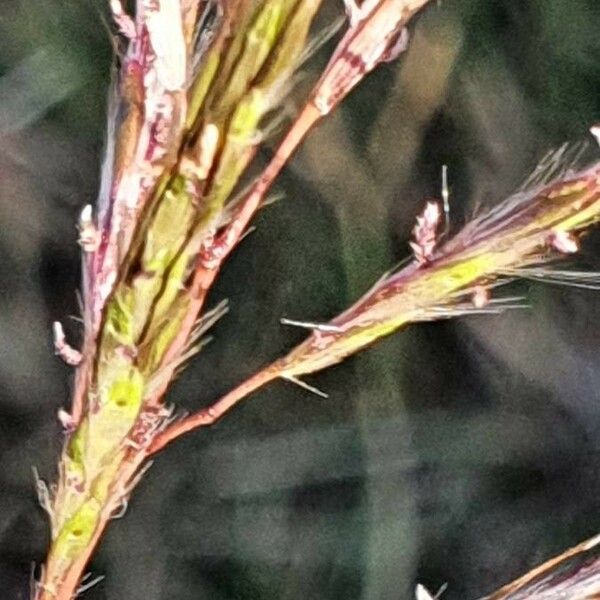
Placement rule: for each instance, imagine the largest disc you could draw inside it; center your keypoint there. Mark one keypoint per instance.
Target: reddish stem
(227, 240)
(208, 416)
(340, 76)
(204, 277)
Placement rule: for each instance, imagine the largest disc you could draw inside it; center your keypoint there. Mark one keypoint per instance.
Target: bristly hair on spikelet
(422, 593)
(524, 235)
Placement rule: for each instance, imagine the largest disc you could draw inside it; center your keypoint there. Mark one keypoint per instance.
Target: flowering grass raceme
(446, 278)
(201, 84)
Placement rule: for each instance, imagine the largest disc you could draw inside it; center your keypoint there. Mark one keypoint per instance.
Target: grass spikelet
(188, 109)
(515, 238)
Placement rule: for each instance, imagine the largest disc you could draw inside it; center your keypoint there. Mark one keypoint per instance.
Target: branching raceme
(520, 237)
(199, 85)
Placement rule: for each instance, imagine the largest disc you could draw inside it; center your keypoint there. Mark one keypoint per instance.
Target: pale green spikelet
(174, 160)
(531, 228)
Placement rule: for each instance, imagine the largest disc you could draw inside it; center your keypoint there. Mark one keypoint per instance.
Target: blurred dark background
(463, 452)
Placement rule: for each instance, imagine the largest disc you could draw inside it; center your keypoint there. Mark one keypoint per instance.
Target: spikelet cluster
(196, 85)
(447, 277)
